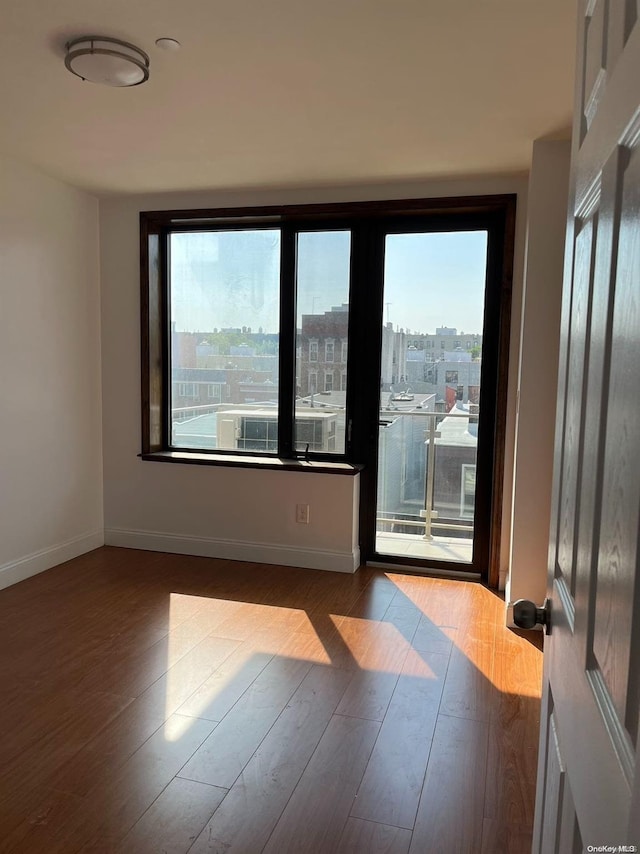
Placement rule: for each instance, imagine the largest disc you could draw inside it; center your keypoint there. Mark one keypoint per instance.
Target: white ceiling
(288, 93)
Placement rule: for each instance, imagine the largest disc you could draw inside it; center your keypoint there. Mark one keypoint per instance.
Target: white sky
(231, 279)
(435, 280)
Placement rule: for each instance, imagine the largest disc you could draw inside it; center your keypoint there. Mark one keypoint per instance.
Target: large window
(281, 337)
(323, 279)
(266, 332)
(223, 293)
(229, 303)
(250, 310)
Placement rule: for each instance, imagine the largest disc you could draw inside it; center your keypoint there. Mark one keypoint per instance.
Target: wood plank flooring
(161, 703)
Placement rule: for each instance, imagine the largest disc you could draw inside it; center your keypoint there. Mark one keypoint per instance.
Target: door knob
(526, 614)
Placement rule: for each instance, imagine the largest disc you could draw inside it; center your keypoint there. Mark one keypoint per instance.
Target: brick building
(322, 352)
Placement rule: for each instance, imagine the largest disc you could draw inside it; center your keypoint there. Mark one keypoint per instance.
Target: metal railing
(388, 417)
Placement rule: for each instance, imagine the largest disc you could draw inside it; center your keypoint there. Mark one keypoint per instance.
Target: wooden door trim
(497, 510)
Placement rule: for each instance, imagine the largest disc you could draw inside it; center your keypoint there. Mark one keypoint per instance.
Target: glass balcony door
(430, 397)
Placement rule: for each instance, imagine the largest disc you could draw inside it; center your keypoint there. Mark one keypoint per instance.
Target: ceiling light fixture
(101, 59)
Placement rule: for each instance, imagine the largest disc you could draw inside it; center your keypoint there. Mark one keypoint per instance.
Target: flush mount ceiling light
(101, 59)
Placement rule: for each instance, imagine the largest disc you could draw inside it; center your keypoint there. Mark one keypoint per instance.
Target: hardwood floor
(160, 703)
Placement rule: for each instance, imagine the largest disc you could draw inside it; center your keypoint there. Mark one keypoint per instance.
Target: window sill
(253, 462)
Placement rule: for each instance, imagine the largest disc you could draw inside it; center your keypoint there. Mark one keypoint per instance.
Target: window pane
(322, 268)
(430, 394)
(224, 305)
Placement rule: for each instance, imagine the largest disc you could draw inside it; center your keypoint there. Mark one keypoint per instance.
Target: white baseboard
(25, 567)
(234, 550)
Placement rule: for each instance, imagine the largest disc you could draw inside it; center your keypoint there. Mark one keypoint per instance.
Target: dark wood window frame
(496, 214)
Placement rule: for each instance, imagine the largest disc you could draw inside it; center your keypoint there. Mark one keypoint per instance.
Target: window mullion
(165, 311)
(287, 358)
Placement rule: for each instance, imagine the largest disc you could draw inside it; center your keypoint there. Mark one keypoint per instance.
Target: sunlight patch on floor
(194, 620)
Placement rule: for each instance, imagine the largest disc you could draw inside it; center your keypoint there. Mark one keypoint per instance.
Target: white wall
(538, 371)
(50, 404)
(230, 512)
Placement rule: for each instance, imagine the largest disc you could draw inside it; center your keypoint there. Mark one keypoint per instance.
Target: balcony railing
(426, 472)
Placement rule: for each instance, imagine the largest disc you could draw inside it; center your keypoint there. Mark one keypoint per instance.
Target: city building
(445, 339)
(322, 347)
(393, 357)
(257, 430)
(456, 375)
(207, 386)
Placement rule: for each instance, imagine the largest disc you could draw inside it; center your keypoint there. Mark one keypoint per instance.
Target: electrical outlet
(302, 513)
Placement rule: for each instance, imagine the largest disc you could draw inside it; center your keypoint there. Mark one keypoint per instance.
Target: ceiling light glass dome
(101, 59)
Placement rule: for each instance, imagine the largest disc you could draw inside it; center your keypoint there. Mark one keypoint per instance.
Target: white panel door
(588, 766)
